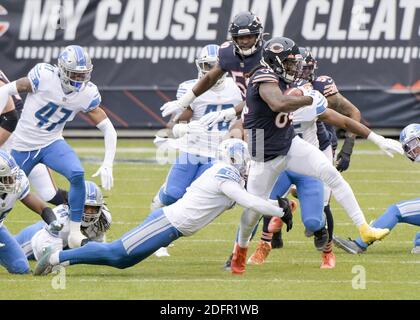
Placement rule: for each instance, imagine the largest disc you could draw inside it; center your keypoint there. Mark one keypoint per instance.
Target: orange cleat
(237, 265)
(328, 260)
(260, 254)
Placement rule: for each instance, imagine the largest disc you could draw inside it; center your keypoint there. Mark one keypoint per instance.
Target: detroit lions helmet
(75, 68)
(235, 152)
(9, 171)
(410, 140)
(207, 59)
(282, 55)
(244, 24)
(93, 204)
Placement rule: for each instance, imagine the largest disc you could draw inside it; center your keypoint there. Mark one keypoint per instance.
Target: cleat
(348, 245)
(260, 254)
(370, 234)
(277, 241)
(162, 252)
(416, 250)
(275, 225)
(238, 260)
(328, 260)
(321, 239)
(44, 267)
(228, 263)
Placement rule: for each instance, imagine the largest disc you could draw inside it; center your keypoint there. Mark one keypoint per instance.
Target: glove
(213, 118)
(171, 107)
(287, 215)
(55, 226)
(389, 146)
(107, 180)
(2, 245)
(343, 157)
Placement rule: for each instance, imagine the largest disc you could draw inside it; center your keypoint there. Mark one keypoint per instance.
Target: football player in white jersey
(407, 211)
(55, 95)
(96, 220)
(14, 186)
(40, 177)
(215, 191)
(197, 145)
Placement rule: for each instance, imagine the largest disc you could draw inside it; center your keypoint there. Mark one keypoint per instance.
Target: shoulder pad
(264, 75)
(228, 173)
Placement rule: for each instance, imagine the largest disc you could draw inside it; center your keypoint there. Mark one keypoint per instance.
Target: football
(293, 92)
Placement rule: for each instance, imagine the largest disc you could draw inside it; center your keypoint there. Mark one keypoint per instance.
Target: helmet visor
(412, 148)
(91, 214)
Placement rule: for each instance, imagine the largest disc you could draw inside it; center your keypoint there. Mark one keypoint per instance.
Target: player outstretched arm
(389, 146)
(102, 122)
(47, 214)
(23, 85)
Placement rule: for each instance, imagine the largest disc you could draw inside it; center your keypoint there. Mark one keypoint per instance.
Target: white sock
(249, 219)
(54, 258)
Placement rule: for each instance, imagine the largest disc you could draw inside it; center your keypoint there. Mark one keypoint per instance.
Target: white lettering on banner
(310, 29)
(207, 17)
(185, 29)
(37, 22)
(103, 30)
(132, 21)
(359, 19)
(334, 32)
(72, 17)
(158, 29)
(281, 15)
(385, 21)
(410, 8)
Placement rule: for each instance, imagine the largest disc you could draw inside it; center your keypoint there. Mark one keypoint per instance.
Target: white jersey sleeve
(184, 87)
(40, 76)
(95, 97)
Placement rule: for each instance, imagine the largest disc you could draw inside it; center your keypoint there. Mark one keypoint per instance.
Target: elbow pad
(9, 120)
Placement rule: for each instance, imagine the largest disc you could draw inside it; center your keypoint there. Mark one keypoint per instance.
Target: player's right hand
(214, 118)
(55, 226)
(75, 239)
(171, 107)
(287, 212)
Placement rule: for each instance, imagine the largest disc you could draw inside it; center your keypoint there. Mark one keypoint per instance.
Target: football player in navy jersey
(40, 178)
(275, 147)
(237, 57)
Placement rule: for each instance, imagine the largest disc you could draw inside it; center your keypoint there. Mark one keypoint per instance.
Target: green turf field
(194, 269)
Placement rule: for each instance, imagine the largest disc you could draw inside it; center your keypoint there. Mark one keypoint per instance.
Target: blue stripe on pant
(24, 238)
(188, 167)
(60, 157)
(11, 254)
(311, 197)
(133, 247)
(403, 212)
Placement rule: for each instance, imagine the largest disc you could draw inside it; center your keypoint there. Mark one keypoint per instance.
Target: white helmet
(9, 171)
(206, 60)
(93, 204)
(235, 152)
(410, 140)
(75, 68)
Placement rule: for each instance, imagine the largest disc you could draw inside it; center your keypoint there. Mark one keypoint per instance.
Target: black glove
(287, 216)
(343, 157)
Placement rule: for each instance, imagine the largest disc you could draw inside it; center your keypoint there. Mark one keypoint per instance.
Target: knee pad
(19, 266)
(77, 177)
(313, 224)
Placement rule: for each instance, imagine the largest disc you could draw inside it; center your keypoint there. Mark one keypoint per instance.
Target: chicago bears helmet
(9, 171)
(243, 24)
(75, 68)
(207, 59)
(309, 65)
(93, 204)
(410, 140)
(282, 55)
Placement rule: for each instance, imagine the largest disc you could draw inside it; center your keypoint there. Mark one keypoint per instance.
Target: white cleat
(162, 252)
(416, 250)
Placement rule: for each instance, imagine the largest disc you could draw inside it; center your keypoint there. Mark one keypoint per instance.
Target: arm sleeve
(234, 191)
(110, 138)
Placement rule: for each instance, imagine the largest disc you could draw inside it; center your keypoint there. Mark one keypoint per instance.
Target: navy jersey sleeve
(226, 56)
(264, 75)
(325, 85)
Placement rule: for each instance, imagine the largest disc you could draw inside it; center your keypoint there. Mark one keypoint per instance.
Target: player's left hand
(343, 157)
(107, 179)
(213, 118)
(170, 108)
(287, 215)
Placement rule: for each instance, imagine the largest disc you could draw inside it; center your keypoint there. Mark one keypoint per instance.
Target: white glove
(178, 105)
(318, 98)
(2, 245)
(389, 146)
(213, 118)
(75, 237)
(107, 180)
